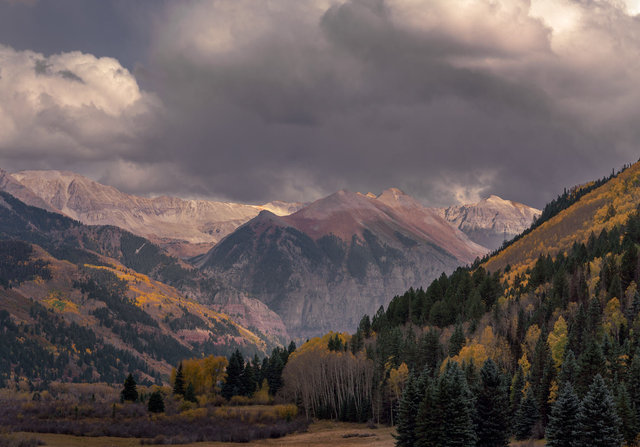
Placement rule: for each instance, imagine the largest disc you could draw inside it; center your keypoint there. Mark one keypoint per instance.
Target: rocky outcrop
(491, 221)
(18, 190)
(325, 266)
(185, 227)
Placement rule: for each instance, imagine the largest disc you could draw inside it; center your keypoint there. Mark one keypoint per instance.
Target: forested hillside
(543, 338)
(77, 304)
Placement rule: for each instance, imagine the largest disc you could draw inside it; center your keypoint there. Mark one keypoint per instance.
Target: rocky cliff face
(18, 190)
(185, 227)
(328, 264)
(491, 221)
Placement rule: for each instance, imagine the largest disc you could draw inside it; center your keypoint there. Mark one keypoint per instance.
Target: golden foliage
(160, 300)
(614, 319)
(472, 352)
(205, 373)
(397, 378)
(530, 340)
(320, 343)
(558, 339)
(261, 397)
(603, 208)
(524, 363)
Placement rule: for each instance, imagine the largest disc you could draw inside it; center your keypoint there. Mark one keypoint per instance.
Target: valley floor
(335, 434)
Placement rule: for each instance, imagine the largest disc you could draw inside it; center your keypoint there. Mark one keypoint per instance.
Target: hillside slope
(64, 284)
(601, 209)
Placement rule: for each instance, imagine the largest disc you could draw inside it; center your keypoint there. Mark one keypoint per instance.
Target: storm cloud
(252, 100)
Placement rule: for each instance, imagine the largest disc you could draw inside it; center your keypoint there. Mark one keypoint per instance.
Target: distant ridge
(184, 227)
(491, 221)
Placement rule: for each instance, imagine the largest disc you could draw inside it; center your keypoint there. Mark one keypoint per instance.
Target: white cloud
(70, 105)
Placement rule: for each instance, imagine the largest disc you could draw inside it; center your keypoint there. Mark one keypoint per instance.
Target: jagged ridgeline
(93, 303)
(555, 313)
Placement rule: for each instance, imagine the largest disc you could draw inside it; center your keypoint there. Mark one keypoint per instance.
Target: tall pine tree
(233, 385)
(407, 412)
(526, 416)
(627, 415)
(598, 423)
(561, 430)
(429, 423)
(130, 391)
(178, 383)
(455, 402)
(492, 406)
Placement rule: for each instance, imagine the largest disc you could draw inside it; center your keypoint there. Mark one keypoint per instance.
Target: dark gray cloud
(447, 99)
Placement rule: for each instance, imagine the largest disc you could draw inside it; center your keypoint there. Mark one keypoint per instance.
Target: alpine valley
(98, 269)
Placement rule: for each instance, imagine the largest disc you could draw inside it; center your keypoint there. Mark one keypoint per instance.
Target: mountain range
(284, 269)
(184, 227)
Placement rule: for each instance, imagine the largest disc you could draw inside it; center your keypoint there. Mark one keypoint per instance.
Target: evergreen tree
(542, 374)
(633, 383)
(156, 402)
(430, 351)
(190, 393)
(561, 430)
(233, 385)
(455, 402)
(526, 417)
(598, 423)
(178, 384)
(130, 391)
(407, 411)
(249, 380)
(457, 341)
(292, 347)
(429, 423)
(629, 265)
(569, 370)
(365, 326)
(273, 374)
(517, 385)
(627, 415)
(492, 406)
(590, 363)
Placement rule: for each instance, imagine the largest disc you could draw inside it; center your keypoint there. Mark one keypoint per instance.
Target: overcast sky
(256, 100)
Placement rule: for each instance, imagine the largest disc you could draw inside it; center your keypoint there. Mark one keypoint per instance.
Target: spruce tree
(569, 370)
(627, 415)
(249, 380)
(633, 382)
(526, 417)
(407, 412)
(233, 385)
(156, 402)
(130, 391)
(457, 341)
(590, 363)
(517, 385)
(492, 406)
(456, 403)
(561, 430)
(542, 374)
(178, 384)
(429, 423)
(598, 423)
(430, 351)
